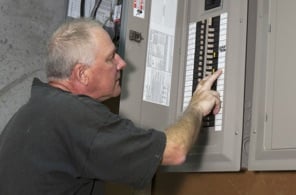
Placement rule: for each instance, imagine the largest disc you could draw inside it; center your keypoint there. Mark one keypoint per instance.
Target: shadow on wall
(25, 28)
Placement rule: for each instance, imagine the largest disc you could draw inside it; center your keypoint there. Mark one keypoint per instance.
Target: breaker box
(272, 143)
(169, 47)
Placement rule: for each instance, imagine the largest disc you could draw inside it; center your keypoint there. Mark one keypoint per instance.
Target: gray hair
(73, 42)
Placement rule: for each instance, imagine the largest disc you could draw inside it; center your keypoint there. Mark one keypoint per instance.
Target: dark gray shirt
(60, 143)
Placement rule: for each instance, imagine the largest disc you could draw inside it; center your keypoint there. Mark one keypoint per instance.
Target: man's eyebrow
(112, 53)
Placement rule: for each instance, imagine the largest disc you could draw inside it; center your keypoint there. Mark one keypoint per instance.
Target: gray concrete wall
(25, 28)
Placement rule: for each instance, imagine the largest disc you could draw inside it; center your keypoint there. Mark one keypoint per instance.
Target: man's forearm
(184, 132)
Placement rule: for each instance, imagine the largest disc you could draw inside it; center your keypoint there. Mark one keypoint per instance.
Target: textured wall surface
(25, 28)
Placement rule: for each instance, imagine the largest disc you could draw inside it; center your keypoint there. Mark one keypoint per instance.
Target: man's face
(104, 74)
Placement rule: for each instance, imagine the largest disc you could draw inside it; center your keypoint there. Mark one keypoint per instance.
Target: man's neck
(60, 85)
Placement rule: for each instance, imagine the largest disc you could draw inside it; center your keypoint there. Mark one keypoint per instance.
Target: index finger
(211, 79)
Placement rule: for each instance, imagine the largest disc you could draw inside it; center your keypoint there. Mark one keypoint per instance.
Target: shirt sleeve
(121, 152)
(117, 150)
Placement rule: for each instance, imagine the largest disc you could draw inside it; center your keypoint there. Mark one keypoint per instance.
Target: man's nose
(121, 64)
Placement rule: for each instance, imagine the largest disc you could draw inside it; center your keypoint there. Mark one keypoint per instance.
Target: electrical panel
(272, 136)
(177, 44)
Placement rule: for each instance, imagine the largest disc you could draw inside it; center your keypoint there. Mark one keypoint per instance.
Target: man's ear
(79, 74)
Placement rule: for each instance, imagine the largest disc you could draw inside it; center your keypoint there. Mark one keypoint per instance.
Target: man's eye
(112, 57)
(110, 60)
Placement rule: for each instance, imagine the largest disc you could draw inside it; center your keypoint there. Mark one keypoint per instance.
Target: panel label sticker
(139, 8)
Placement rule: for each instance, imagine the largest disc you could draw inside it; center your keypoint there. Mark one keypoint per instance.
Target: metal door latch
(135, 36)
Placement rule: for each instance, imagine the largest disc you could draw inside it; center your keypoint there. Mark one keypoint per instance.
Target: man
(64, 141)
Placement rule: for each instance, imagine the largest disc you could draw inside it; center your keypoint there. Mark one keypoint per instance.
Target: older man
(65, 141)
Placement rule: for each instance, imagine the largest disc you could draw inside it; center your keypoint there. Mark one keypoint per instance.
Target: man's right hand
(204, 99)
